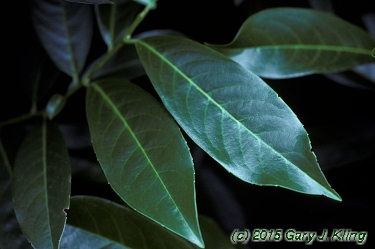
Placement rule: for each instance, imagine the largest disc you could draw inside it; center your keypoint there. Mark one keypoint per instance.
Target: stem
(126, 39)
(87, 77)
(5, 159)
(21, 118)
(136, 22)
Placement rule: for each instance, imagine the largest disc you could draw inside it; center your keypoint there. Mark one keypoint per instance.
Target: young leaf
(143, 155)
(292, 42)
(55, 105)
(99, 223)
(233, 115)
(41, 186)
(114, 19)
(65, 30)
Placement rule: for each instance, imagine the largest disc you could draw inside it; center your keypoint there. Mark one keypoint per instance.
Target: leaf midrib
(220, 107)
(118, 113)
(45, 180)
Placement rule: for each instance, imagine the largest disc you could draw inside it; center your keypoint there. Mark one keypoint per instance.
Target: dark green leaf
(233, 115)
(98, 223)
(213, 235)
(125, 64)
(41, 186)
(114, 19)
(292, 42)
(11, 236)
(143, 155)
(65, 30)
(92, 1)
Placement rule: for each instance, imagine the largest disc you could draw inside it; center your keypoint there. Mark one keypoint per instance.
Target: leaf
(11, 236)
(99, 223)
(213, 235)
(143, 155)
(92, 1)
(115, 19)
(65, 30)
(292, 42)
(232, 115)
(41, 186)
(125, 64)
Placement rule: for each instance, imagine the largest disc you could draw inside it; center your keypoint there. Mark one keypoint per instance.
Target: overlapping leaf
(98, 223)
(41, 186)
(65, 30)
(232, 114)
(291, 42)
(143, 155)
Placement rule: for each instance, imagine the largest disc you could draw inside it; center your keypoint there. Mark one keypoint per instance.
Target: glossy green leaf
(292, 42)
(11, 236)
(98, 223)
(114, 19)
(55, 105)
(143, 155)
(41, 186)
(233, 115)
(92, 1)
(65, 30)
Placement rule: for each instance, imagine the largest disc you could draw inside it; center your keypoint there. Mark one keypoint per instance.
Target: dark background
(337, 111)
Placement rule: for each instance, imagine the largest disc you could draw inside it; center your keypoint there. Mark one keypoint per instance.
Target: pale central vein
(45, 180)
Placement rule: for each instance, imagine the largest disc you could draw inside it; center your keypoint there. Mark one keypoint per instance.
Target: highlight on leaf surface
(233, 115)
(41, 185)
(292, 42)
(143, 155)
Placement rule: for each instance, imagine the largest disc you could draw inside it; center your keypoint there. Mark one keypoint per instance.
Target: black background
(339, 118)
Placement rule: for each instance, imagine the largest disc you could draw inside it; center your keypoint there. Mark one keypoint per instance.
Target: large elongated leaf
(114, 19)
(291, 42)
(41, 186)
(143, 155)
(99, 223)
(233, 115)
(65, 30)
